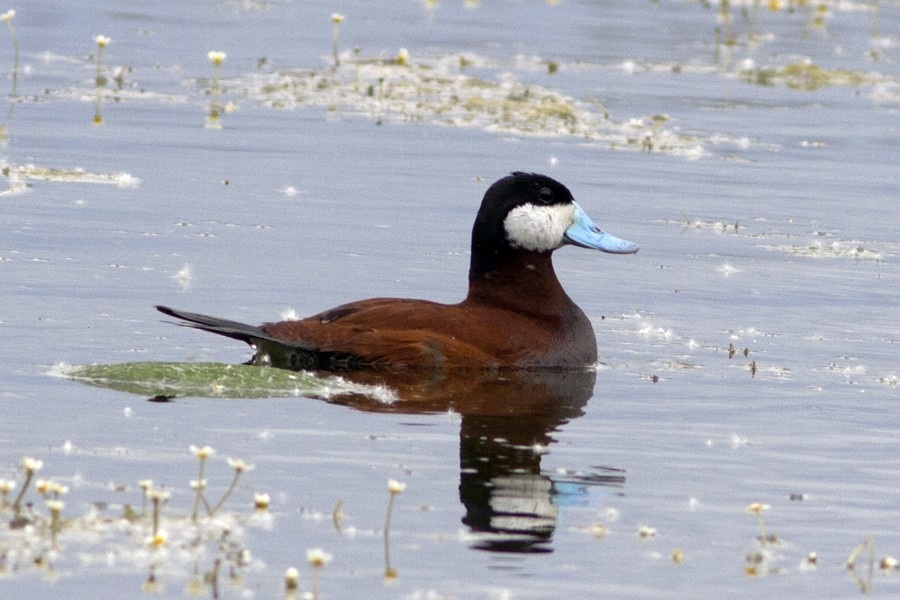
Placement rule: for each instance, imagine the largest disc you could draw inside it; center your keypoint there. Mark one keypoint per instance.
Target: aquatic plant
(8, 17)
(761, 560)
(239, 467)
(6, 486)
(439, 92)
(102, 42)
(29, 171)
(202, 453)
(757, 509)
(261, 502)
(317, 559)
(865, 584)
(213, 120)
(146, 485)
(291, 580)
(158, 497)
(30, 466)
(395, 488)
(336, 19)
(99, 80)
(808, 77)
(55, 507)
(33, 539)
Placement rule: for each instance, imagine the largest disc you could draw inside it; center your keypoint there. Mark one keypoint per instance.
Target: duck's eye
(545, 195)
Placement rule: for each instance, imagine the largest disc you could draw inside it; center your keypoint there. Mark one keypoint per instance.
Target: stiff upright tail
(233, 329)
(270, 350)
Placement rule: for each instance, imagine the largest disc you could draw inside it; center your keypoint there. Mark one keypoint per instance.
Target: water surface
(766, 221)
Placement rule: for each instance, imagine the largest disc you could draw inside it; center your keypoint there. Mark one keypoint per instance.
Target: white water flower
(316, 557)
(239, 465)
(216, 57)
(202, 452)
(291, 578)
(396, 487)
(31, 464)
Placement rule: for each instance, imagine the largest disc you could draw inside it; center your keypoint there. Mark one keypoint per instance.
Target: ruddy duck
(516, 314)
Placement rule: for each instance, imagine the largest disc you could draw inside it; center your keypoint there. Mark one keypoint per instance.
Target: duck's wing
(368, 335)
(385, 333)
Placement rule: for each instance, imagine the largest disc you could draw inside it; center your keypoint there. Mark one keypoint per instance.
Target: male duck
(515, 316)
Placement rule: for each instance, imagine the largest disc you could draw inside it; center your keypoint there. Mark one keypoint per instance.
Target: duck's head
(531, 213)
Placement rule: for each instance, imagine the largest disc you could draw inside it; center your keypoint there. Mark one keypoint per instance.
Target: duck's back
(401, 333)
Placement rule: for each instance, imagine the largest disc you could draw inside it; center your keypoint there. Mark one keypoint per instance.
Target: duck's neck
(521, 281)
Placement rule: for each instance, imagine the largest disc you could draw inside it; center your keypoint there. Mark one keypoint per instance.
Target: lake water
(749, 351)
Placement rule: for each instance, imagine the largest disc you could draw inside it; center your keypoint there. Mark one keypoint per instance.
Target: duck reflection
(507, 420)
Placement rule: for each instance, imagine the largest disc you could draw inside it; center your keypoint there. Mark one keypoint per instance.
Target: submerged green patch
(200, 379)
(808, 77)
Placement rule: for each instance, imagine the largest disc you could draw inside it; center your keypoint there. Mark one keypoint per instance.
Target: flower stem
(237, 475)
(17, 503)
(199, 496)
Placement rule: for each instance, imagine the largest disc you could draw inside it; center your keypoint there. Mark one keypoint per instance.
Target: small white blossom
(158, 494)
(291, 578)
(755, 508)
(31, 464)
(158, 539)
(316, 557)
(202, 452)
(239, 465)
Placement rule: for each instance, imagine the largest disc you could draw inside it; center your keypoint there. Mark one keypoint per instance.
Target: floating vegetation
(216, 380)
(809, 77)
(118, 535)
(848, 249)
(856, 250)
(697, 224)
(208, 546)
(18, 174)
(438, 92)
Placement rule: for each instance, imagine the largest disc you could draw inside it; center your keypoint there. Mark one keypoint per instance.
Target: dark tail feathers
(269, 350)
(239, 331)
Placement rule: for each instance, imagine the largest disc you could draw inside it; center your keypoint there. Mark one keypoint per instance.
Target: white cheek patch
(538, 228)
